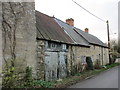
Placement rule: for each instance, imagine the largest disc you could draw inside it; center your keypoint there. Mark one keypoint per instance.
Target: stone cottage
(62, 48)
(53, 48)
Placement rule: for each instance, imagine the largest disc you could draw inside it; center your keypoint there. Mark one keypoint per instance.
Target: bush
(41, 83)
(114, 58)
(29, 82)
(9, 77)
(28, 77)
(89, 63)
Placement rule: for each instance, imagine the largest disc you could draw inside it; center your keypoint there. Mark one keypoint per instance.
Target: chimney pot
(86, 30)
(70, 21)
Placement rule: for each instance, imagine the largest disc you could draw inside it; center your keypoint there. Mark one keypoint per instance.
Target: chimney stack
(86, 30)
(70, 21)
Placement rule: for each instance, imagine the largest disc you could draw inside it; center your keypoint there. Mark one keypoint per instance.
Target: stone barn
(62, 48)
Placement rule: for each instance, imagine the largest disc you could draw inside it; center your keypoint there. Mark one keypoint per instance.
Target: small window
(83, 61)
(67, 46)
(92, 58)
(49, 45)
(52, 45)
(64, 47)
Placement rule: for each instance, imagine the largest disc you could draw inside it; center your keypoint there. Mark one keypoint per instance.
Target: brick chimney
(70, 21)
(86, 30)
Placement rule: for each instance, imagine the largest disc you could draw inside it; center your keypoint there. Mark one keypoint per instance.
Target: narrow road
(107, 79)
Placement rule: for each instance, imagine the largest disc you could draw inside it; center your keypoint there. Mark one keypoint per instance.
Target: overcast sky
(105, 9)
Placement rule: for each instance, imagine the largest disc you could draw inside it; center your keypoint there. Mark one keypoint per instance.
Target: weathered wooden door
(62, 72)
(55, 66)
(51, 64)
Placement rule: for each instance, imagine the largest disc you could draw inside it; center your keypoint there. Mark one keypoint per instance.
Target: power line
(113, 34)
(110, 62)
(88, 11)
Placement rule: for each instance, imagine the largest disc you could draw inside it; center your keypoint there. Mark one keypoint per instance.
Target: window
(55, 46)
(92, 58)
(64, 47)
(83, 61)
(51, 45)
(67, 47)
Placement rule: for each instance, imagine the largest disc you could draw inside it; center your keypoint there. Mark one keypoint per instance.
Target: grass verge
(65, 82)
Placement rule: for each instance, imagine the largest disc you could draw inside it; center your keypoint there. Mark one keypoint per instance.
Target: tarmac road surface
(106, 79)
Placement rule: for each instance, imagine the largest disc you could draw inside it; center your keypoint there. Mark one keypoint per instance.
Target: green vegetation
(28, 81)
(41, 83)
(114, 56)
(112, 65)
(115, 49)
(28, 77)
(36, 84)
(10, 77)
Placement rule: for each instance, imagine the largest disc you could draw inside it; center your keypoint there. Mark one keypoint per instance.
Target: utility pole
(110, 62)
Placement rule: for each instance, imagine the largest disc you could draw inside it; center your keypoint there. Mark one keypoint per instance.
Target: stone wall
(73, 59)
(40, 59)
(19, 35)
(106, 56)
(75, 54)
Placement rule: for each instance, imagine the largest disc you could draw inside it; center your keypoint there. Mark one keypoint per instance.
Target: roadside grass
(65, 82)
(112, 65)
